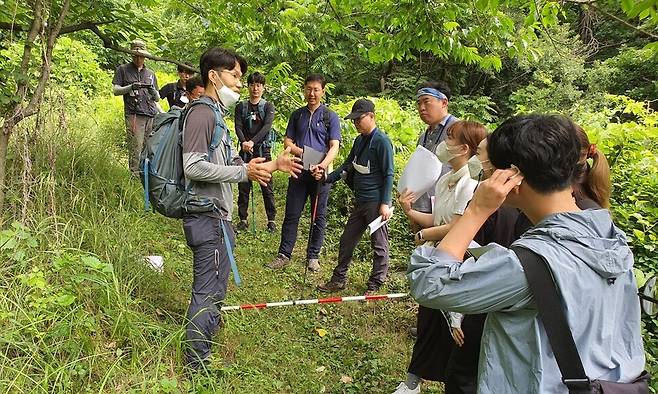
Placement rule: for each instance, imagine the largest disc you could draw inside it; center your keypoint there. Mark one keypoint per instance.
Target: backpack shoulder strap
(244, 110)
(261, 109)
(551, 314)
(220, 126)
(326, 119)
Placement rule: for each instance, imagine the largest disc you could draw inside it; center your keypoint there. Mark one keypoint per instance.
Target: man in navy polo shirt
(314, 126)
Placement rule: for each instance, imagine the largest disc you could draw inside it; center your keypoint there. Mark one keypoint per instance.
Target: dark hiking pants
(244, 188)
(299, 190)
(211, 270)
(360, 217)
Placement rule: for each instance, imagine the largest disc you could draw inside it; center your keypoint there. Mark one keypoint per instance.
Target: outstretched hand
(257, 171)
(288, 163)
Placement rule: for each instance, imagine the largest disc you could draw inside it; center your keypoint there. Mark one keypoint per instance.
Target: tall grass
(81, 312)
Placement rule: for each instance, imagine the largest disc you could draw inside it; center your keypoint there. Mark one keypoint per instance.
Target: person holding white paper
(368, 170)
(452, 193)
(432, 99)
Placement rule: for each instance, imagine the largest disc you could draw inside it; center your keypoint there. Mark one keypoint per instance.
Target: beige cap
(139, 46)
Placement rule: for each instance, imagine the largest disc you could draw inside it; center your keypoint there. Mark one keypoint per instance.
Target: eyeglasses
(233, 74)
(309, 90)
(357, 120)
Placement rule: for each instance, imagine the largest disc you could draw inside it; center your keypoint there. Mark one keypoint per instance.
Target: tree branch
(107, 43)
(62, 31)
(18, 113)
(626, 23)
(590, 3)
(53, 33)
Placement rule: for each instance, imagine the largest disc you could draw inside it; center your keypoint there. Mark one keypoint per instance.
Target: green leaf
(93, 263)
(450, 25)
(65, 300)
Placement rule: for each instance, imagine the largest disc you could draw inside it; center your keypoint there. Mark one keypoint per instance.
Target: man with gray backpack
(253, 126)
(188, 167)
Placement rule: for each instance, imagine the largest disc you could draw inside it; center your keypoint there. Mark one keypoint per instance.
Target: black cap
(360, 107)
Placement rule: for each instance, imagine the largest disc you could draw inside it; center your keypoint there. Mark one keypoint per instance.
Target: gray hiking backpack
(161, 164)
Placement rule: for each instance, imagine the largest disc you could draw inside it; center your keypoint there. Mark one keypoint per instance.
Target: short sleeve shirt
(139, 101)
(308, 129)
(453, 192)
(173, 93)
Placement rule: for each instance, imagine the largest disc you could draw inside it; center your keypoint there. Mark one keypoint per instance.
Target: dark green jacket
(377, 185)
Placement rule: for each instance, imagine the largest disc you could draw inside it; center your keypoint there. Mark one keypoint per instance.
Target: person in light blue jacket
(536, 157)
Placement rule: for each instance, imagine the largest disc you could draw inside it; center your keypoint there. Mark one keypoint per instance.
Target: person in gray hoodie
(536, 157)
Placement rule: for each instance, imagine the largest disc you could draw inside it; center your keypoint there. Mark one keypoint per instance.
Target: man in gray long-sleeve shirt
(587, 255)
(210, 169)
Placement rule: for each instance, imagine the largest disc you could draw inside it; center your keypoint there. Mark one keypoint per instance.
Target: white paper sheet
(311, 157)
(155, 262)
(421, 172)
(377, 223)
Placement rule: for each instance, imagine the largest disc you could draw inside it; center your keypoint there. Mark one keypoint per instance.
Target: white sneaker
(403, 389)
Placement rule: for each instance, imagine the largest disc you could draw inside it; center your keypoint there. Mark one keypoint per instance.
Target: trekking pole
(314, 211)
(253, 210)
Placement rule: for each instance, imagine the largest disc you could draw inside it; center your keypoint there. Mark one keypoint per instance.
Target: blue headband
(430, 92)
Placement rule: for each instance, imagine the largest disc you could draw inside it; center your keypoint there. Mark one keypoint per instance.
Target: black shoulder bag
(549, 308)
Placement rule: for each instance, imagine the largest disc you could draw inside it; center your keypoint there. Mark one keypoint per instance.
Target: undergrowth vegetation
(81, 311)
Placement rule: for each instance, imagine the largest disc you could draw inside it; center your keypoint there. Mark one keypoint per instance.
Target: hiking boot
(313, 265)
(271, 226)
(370, 290)
(404, 389)
(242, 226)
(332, 286)
(279, 262)
(413, 332)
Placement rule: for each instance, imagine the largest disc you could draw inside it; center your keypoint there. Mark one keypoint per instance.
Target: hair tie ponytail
(592, 152)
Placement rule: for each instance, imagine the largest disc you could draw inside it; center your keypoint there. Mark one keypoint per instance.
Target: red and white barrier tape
(329, 300)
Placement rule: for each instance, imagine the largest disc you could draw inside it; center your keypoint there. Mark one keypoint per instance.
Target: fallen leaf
(346, 379)
(321, 332)
(320, 369)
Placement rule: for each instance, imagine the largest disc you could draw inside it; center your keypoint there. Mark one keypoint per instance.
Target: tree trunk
(4, 145)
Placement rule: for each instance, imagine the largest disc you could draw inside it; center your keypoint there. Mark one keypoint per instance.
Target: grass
(81, 312)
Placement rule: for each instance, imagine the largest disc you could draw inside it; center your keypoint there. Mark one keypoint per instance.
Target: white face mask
(444, 154)
(227, 96)
(365, 170)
